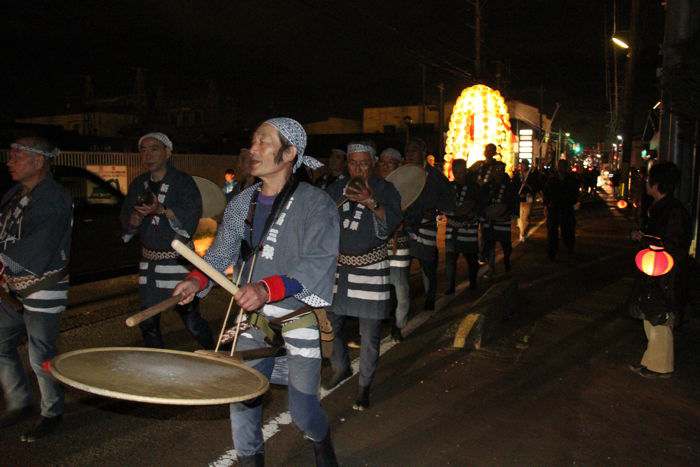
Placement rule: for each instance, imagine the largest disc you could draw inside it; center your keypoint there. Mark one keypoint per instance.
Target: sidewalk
(552, 389)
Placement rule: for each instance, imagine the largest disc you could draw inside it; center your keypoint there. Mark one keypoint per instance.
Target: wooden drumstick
(203, 266)
(228, 311)
(240, 311)
(133, 320)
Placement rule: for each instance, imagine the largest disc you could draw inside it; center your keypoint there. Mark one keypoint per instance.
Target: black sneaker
(15, 416)
(44, 427)
(649, 374)
(362, 401)
(338, 378)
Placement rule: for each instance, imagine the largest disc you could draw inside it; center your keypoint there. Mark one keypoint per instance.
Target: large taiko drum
(409, 181)
(158, 376)
(213, 198)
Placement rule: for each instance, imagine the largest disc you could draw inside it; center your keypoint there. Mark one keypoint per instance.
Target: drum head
(409, 181)
(213, 198)
(158, 376)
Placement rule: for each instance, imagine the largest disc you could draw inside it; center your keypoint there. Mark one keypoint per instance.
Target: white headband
(48, 154)
(159, 137)
(362, 147)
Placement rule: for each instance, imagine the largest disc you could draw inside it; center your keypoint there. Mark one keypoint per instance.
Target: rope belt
(398, 243)
(158, 255)
(262, 323)
(372, 257)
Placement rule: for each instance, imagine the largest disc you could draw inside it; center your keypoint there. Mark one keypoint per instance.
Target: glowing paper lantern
(479, 117)
(654, 261)
(622, 204)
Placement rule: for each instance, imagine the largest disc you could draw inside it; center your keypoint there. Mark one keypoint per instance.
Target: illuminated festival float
(480, 116)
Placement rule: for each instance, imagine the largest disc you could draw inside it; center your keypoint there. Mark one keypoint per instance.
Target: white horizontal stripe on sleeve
(48, 295)
(314, 352)
(358, 279)
(55, 309)
(171, 269)
(365, 295)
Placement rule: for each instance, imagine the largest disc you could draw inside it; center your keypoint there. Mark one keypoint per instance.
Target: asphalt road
(550, 389)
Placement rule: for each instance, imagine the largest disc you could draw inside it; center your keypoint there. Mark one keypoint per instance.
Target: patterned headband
(361, 147)
(49, 154)
(295, 134)
(159, 137)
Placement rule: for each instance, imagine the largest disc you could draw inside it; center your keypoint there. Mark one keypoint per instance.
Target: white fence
(207, 166)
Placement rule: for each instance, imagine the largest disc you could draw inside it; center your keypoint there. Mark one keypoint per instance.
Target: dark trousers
(491, 237)
(429, 272)
(194, 323)
(564, 220)
(451, 258)
(370, 337)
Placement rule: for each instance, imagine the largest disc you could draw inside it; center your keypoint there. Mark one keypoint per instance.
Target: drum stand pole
(228, 312)
(240, 311)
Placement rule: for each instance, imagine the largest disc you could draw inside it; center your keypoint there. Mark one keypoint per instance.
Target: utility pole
(541, 124)
(632, 54)
(477, 40)
(422, 114)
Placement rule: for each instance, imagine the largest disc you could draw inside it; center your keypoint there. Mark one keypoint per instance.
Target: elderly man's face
(265, 146)
(360, 164)
(414, 154)
(154, 154)
(24, 165)
(387, 164)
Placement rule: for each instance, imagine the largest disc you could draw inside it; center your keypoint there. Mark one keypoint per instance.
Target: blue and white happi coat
(462, 232)
(160, 268)
(398, 250)
(420, 217)
(35, 239)
(502, 193)
(365, 291)
(302, 243)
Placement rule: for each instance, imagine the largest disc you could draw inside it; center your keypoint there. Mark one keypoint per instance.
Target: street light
(620, 42)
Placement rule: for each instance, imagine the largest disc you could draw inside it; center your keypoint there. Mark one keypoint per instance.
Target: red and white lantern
(654, 261)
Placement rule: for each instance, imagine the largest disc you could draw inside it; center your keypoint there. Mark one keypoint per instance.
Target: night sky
(308, 58)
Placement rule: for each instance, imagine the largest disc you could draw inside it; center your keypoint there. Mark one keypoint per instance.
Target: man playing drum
(36, 219)
(461, 233)
(286, 233)
(420, 218)
(371, 210)
(499, 206)
(162, 204)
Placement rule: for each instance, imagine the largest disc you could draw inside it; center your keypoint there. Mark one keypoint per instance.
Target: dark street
(552, 388)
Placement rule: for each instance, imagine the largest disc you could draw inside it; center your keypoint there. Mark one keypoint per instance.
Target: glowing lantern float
(622, 204)
(654, 261)
(479, 117)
